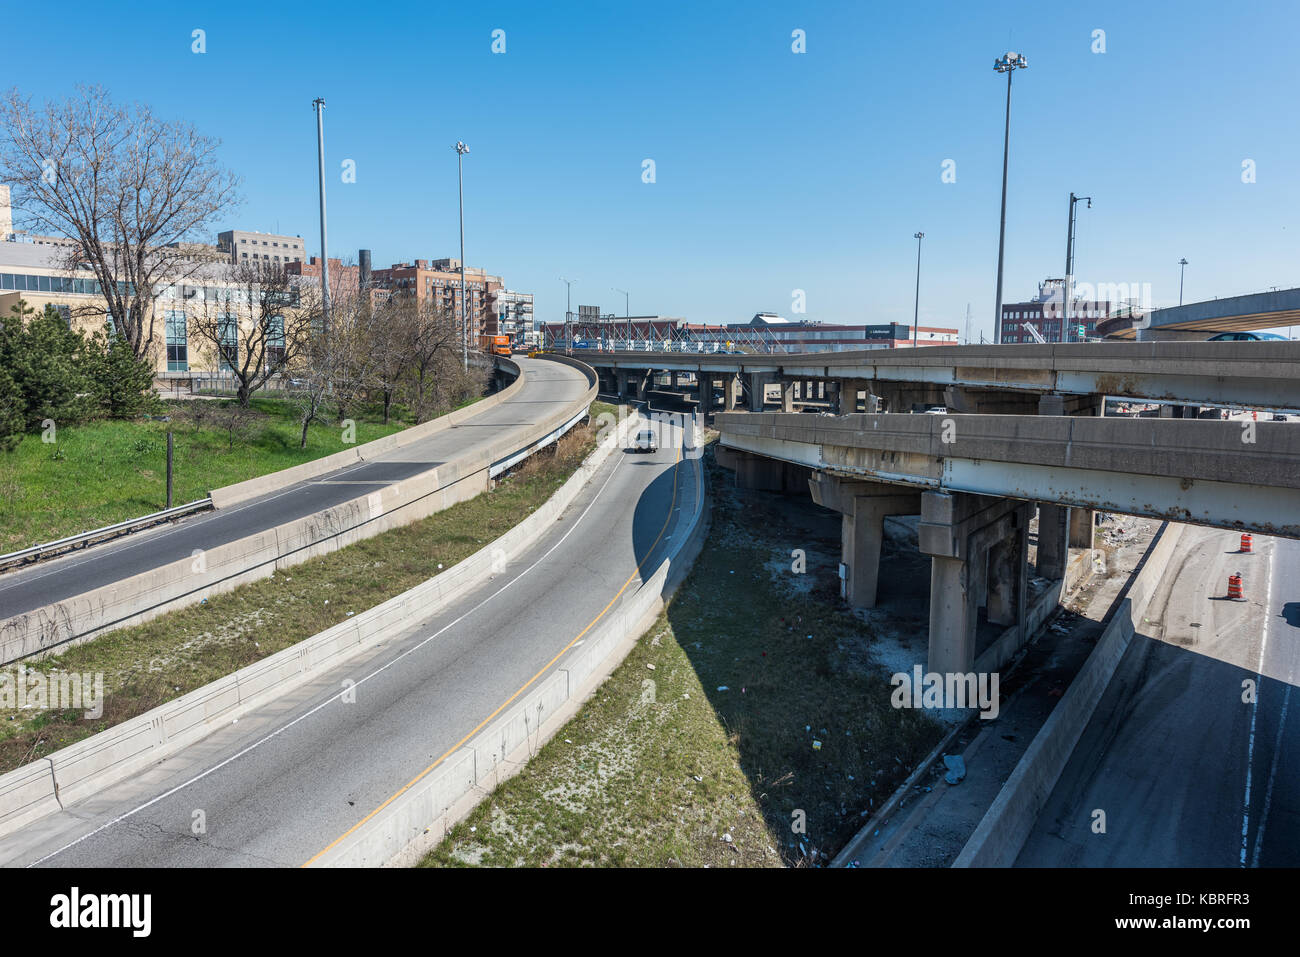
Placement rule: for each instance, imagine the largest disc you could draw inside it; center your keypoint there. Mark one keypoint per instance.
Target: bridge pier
(863, 507)
(977, 546)
(732, 392)
(787, 395)
(621, 378)
(758, 383)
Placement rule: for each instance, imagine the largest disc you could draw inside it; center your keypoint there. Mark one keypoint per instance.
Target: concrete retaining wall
(1002, 832)
(89, 766)
(408, 827)
(184, 582)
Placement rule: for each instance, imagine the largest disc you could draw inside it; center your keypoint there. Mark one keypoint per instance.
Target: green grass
(659, 774)
(105, 472)
(149, 664)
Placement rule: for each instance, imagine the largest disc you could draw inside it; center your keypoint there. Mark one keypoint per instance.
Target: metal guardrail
(45, 550)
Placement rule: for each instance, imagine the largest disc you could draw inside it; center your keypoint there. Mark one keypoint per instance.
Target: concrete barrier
(274, 481)
(1006, 825)
(89, 766)
(410, 825)
(186, 581)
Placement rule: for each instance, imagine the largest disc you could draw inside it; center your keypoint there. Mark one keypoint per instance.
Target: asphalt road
(281, 785)
(548, 386)
(1187, 774)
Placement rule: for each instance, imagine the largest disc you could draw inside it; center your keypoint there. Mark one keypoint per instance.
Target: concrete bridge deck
(1264, 375)
(1236, 475)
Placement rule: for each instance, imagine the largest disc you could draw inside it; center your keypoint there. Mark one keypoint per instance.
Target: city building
(513, 315)
(245, 246)
(1044, 315)
(438, 281)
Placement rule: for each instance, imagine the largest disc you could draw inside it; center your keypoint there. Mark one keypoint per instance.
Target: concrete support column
(833, 395)
(674, 378)
(731, 391)
(850, 391)
(863, 507)
(787, 395)
(1082, 526)
(621, 375)
(643, 381)
(956, 531)
(757, 390)
(1006, 578)
(952, 616)
(1053, 544)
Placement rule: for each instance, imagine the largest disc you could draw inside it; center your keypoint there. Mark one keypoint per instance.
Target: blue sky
(775, 171)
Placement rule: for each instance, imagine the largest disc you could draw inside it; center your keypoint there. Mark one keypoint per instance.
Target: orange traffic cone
(1234, 588)
(1246, 542)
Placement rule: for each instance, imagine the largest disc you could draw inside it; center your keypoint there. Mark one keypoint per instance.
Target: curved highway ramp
(126, 581)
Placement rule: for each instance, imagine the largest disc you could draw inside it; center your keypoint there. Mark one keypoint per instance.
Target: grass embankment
(663, 767)
(105, 472)
(149, 664)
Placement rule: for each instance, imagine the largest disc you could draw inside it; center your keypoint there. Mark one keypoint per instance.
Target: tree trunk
(388, 401)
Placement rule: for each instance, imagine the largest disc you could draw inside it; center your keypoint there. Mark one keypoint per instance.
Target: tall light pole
(568, 314)
(1182, 268)
(1008, 64)
(1069, 266)
(319, 105)
(627, 313)
(461, 150)
(916, 310)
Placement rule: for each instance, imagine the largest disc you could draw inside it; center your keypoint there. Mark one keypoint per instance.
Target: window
(177, 341)
(228, 344)
(275, 342)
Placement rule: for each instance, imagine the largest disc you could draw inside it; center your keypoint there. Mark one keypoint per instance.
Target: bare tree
(129, 189)
(434, 373)
(259, 323)
(334, 367)
(396, 339)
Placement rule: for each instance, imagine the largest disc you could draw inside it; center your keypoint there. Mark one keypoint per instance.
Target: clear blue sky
(775, 171)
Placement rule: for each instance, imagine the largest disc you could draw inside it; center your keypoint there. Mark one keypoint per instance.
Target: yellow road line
(576, 638)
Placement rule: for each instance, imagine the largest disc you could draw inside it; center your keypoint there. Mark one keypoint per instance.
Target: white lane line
(1277, 749)
(1254, 708)
(302, 717)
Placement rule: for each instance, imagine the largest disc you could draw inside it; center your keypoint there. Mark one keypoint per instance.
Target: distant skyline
(775, 172)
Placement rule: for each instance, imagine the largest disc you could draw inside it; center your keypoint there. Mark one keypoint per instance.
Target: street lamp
(568, 314)
(461, 150)
(916, 310)
(1069, 266)
(1182, 268)
(319, 105)
(1008, 63)
(627, 314)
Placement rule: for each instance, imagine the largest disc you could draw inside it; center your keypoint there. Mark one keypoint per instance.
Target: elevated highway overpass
(986, 378)
(1200, 320)
(975, 481)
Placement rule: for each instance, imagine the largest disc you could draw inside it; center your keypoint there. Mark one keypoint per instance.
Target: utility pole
(1008, 64)
(568, 314)
(916, 309)
(1182, 268)
(968, 323)
(319, 104)
(1069, 266)
(461, 150)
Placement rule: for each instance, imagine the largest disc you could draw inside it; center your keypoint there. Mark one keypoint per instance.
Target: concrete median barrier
(88, 767)
(1007, 823)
